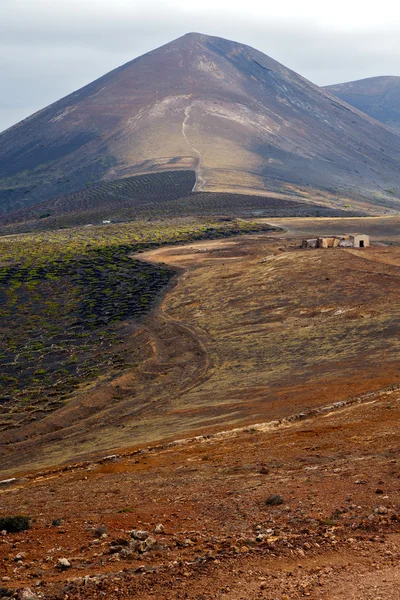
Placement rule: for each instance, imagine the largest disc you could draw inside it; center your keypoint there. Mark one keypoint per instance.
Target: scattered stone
(111, 457)
(139, 534)
(63, 563)
(147, 545)
(127, 554)
(120, 542)
(116, 557)
(5, 482)
(20, 556)
(140, 569)
(159, 528)
(381, 510)
(27, 594)
(188, 542)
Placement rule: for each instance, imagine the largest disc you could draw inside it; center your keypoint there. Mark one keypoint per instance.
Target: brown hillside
(255, 329)
(244, 121)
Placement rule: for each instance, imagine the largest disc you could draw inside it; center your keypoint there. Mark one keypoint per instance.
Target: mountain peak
(201, 37)
(188, 38)
(238, 118)
(195, 35)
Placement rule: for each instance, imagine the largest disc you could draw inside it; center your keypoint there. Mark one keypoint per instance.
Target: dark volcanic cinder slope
(240, 118)
(378, 97)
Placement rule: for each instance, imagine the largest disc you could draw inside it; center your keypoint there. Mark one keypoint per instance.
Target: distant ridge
(241, 120)
(378, 97)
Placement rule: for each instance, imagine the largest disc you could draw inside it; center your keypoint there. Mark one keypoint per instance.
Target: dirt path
(200, 181)
(204, 359)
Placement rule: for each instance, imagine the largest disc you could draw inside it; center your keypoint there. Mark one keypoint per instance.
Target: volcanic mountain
(378, 97)
(242, 121)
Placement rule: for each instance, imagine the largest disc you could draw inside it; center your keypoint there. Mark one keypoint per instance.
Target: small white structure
(351, 240)
(354, 240)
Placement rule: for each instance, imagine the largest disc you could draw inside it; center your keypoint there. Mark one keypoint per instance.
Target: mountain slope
(378, 97)
(241, 119)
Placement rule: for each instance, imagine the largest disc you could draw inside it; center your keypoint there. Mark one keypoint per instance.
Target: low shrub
(16, 523)
(274, 500)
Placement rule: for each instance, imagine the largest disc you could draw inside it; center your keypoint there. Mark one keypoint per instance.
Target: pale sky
(49, 48)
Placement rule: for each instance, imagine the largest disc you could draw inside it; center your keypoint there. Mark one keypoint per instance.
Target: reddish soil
(336, 535)
(318, 427)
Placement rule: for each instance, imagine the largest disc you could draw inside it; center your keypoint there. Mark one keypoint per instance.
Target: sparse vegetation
(14, 524)
(100, 531)
(69, 298)
(56, 522)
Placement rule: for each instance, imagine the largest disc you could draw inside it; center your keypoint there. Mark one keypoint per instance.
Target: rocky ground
(306, 507)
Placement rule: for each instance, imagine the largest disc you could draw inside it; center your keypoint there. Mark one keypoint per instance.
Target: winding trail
(204, 360)
(200, 181)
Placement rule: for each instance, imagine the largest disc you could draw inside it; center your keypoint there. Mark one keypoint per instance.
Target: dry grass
(255, 330)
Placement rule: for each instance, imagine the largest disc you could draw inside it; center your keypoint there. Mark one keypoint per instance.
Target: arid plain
(284, 363)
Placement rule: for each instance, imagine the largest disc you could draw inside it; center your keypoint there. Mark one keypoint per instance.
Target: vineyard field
(164, 195)
(71, 303)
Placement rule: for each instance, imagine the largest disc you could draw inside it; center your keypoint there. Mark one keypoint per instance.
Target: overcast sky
(49, 48)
